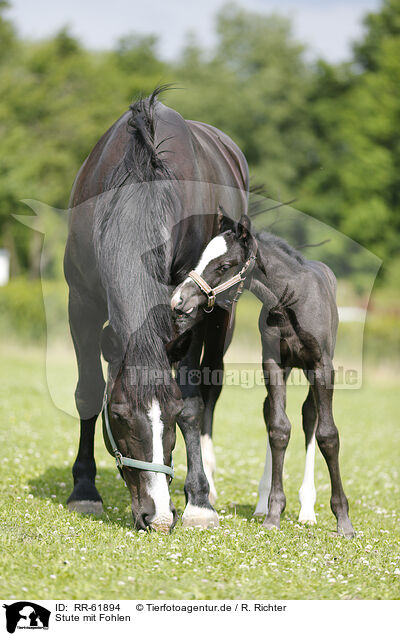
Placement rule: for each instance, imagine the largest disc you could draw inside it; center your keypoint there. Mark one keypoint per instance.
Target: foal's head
(222, 259)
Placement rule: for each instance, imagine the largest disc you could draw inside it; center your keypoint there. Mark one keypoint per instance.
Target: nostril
(141, 521)
(176, 301)
(181, 312)
(177, 309)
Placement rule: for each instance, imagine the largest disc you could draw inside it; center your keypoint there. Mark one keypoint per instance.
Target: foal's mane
(141, 199)
(269, 240)
(259, 205)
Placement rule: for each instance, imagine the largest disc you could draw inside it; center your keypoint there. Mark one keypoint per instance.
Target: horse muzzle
(164, 522)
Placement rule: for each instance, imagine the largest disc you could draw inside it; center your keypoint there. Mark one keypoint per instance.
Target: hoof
(270, 525)
(261, 510)
(257, 514)
(86, 507)
(336, 535)
(196, 517)
(345, 530)
(307, 517)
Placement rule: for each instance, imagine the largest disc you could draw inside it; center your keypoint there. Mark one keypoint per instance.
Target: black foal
(298, 324)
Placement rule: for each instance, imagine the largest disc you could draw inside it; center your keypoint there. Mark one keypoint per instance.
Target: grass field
(47, 552)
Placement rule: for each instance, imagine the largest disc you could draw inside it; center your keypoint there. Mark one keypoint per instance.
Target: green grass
(48, 552)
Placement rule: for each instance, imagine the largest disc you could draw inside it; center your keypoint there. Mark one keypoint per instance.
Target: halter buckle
(246, 266)
(210, 301)
(118, 459)
(239, 291)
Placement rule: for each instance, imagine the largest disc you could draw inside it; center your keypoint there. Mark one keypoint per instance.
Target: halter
(212, 292)
(128, 461)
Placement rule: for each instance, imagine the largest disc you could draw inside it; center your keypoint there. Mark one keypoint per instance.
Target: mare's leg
(86, 321)
(217, 338)
(307, 494)
(328, 441)
(198, 511)
(278, 427)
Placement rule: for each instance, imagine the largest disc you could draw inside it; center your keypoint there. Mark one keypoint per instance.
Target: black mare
(143, 206)
(298, 325)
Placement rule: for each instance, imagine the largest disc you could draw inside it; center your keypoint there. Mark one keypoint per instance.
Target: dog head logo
(26, 615)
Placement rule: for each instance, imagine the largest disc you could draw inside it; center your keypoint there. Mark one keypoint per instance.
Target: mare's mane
(132, 217)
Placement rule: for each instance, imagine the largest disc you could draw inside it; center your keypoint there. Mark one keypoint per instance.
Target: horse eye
(120, 412)
(224, 267)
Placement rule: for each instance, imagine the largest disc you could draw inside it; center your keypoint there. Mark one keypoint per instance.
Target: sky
(327, 27)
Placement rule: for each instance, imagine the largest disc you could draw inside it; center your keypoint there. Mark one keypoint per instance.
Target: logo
(26, 615)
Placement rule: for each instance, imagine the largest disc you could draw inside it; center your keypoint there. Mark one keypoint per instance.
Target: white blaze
(158, 487)
(307, 494)
(216, 247)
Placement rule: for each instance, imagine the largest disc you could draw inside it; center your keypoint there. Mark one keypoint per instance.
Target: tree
(355, 182)
(57, 99)
(255, 88)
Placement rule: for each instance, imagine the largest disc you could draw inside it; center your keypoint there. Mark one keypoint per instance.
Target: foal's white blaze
(216, 247)
(209, 465)
(264, 487)
(307, 494)
(158, 487)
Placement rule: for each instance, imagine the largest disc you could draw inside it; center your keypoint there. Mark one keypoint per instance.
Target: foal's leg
(278, 426)
(86, 323)
(328, 441)
(307, 491)
(307, 494)
(264, 487)
(198, 511)
(218, 336)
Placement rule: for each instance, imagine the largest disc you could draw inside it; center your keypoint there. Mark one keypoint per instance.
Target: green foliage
(324, 134)
(7, 34)
(382, 337)
(257, 86)
(21, 309)
(355, 182)
(22, 314)
(380, 26)
(56, 101)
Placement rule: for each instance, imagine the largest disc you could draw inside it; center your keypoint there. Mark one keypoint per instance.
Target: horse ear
(177, 349)
(224, 221)
(243, 228)
(110, 345)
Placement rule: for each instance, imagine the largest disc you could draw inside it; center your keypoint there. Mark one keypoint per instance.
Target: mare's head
(141, 409)
(223, 258)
